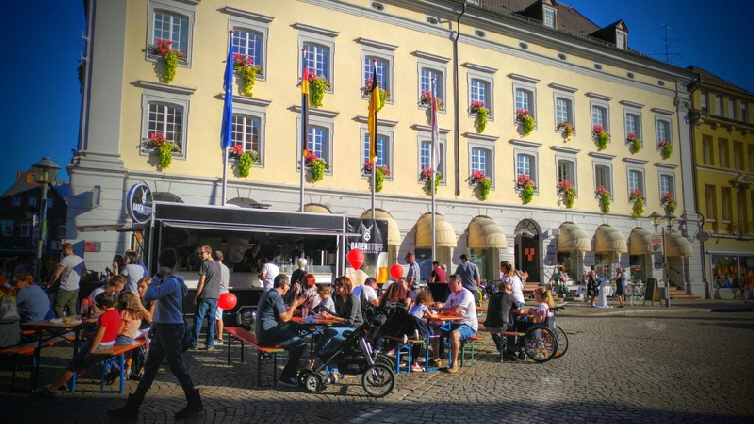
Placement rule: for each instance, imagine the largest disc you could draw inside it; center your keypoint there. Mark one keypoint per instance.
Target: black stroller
(354, 356)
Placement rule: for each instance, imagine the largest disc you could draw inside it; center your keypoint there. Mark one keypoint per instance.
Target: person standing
(168, 290)
(133, 271)
(414, 274)
(517, 286)
(270, 270)
(207, 292)
(296, 277)
(469, 274)
(438, 273)
(591, 285)
(620, 282)
(70, 270)
(270, 331)
(224, 288)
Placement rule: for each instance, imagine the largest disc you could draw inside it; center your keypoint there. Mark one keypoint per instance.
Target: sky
(41, 45)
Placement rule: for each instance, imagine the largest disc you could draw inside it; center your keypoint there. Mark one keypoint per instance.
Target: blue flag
(225, 137)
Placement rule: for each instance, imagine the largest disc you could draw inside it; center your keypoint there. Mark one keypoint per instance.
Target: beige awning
(393, 232)
(609, 239)
(485, 234)
(316, 207)
(444, 233)
(677, 245)
(572, 238)
(639, 241)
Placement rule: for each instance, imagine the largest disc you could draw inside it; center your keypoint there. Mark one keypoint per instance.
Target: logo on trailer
(366, 232)
(139, 203)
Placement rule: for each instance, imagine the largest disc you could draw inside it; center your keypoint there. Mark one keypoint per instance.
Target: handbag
(8, 309)
(188, 337)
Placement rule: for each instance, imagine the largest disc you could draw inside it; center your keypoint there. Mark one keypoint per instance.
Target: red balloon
(356, 258)
(396, 271)
(227, 301)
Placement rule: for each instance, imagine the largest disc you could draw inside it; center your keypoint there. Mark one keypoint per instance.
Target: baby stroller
(353, 356)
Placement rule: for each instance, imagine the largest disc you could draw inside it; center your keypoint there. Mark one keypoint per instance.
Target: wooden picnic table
(61, 325)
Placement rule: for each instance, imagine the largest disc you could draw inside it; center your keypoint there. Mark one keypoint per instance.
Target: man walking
(207, 292)
(70, 270)
(469, 274)
(414, 274)
(168, 290)
(224, 284)
(270, 270)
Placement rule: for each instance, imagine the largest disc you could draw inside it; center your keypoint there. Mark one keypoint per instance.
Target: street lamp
(46, 170)
(668, 220)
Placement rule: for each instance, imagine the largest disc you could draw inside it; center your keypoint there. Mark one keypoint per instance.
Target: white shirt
(270, 270)
(133, 273)
(517, 288)
(369, 292)
(465, 299)
(224, 278)
(71, 276)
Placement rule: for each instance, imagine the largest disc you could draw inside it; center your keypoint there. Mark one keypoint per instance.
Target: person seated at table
(460, 302)
(421, 311)
(396, 293)
(368, 290)
(131, 313)
(539, 314)
(32, 301)
(108, 325)
(325, 301)
(310, 295)
(501, 304)
(10, 324)
(347, 314)
(115, 285)
(148, 309)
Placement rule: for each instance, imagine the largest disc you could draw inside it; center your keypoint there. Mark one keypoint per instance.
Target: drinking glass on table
(304, 312)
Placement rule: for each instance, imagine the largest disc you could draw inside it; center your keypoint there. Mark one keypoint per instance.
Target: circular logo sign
(139, 203)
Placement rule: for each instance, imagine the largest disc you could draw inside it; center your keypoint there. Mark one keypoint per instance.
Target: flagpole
(373, 137)
(304, 127)
(226, 136)
(433, 165)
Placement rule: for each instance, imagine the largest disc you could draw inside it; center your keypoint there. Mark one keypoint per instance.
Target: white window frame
(380, 51)
(669, 175)
(723, 152)
(621, 39)
(731, 109)
(260, 26)
(642, 182)
(718, 105)
(609, 166)
(633, 109)
(704, 101)
(708, 149)
(321, 122)
(522, 82)
(184, 10)
(744, 109)
(435, 63)
(534, 174)
(565, 158)
(389, 134)
(322, 37)
(562, 92)
(726, 207)
(248, 107)
(427, 138)
(602, 104)
(668, 128)
(710, 201)
(553, 13)
(151, 95)
(489, 98)
(490, 148)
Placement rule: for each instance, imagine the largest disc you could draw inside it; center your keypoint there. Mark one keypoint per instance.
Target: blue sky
(40, 46)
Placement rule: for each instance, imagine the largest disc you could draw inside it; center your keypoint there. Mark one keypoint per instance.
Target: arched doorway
(528, 249)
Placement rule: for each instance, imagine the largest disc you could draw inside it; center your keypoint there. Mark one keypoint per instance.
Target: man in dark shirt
(207, 292)
(272, 314)
(438, 274)
(498, 317)
(469, 274)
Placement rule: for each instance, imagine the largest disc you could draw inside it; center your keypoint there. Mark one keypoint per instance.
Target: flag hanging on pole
(225, 139)
(435, 165)
(304, 107)
(374, 104)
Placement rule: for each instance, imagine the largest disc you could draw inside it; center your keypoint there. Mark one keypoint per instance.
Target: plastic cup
(304, 312)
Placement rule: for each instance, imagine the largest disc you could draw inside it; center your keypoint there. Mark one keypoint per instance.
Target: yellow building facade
(568, 74)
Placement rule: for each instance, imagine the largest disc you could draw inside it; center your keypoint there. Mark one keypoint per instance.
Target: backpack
(8, 309)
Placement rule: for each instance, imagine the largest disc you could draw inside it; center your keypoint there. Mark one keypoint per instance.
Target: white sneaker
(218, 342)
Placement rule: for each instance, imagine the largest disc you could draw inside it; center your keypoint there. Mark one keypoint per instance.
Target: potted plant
(244, 160)
(426, 176)
(568, 129)
(164, 148)
(366, 91)
(635, 143)
(382, 172)
(604, 197)
(601, 136)
(482, 182)
(524, 117)
(317, 87)
(482, 113)
(316, 165)
(668, 200)
(170, 57)
(247, 71)
(637, 197)
(527, 187)
(425, 99)
(568, 191)
(665, 148)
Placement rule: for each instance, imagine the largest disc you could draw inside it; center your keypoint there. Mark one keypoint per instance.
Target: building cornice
(629, 103)
(380, 122)
(427, 128)
(635, 161)
(316, 30)
(483, 137)
(251, 101)
(430, 56)
(666, 165)
(524, 143)
(561, 149)
(598, 155)
(166, 88)
(315, 112)
(598, 96)
(523, 78)
(480, 68)
(659, 111)
(375, 44)
(232, 11)
(561, 87)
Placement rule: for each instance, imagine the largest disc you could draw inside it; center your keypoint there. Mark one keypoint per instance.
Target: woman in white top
(507, 273)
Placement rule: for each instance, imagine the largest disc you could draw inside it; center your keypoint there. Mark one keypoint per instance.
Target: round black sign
(139, 203)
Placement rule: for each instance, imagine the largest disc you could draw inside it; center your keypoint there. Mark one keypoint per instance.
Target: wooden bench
(405, 347)
(471, 343)
(118, 351)
(504, 334)
(25, 350)
(263, 352)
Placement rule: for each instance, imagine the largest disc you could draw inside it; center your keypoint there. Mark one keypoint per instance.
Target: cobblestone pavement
(689, 363)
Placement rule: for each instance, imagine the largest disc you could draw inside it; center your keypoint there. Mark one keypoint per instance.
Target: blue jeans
(288, 340)
(205, 307)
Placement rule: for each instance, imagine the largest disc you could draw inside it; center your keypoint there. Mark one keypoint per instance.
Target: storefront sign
(373, 243)
(139, 203)
(656, 244)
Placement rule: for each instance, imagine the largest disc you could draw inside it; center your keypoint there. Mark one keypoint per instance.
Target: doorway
(528, 250)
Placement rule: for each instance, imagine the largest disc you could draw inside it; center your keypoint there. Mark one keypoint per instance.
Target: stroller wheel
(378, 380)
(310, 382)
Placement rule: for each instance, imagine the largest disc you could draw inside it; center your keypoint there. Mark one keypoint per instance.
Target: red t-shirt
(111, 321)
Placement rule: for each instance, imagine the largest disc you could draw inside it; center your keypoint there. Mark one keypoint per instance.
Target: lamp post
(46, 170)
(668, 220)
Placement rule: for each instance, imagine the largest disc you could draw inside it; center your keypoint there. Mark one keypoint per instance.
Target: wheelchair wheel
(562, 342)
(540, 344)
(378, 380)
(385, 360)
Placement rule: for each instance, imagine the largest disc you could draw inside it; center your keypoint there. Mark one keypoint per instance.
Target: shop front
(572, 242)
(485, 239)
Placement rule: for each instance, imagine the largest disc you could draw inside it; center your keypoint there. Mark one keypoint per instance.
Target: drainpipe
(457, 103)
